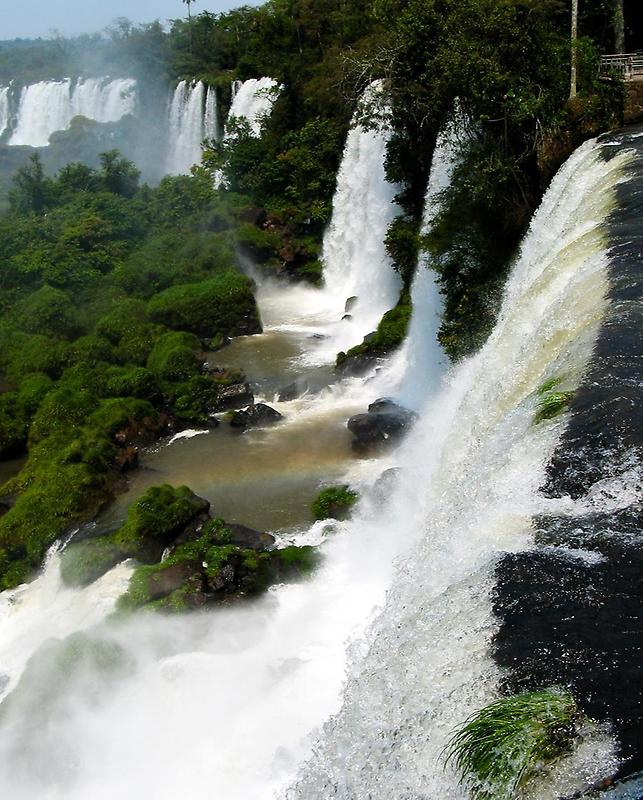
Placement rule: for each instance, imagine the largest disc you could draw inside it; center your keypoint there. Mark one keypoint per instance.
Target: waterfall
(212, 125)
(186, 127)
(355, 261)
(422, 360)
(49, 106)
(227, 701)
(4, 109)
(472, 472)
(252, 100)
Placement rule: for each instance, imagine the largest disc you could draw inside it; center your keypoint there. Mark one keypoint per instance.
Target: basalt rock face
(570, 609)
(384, 423)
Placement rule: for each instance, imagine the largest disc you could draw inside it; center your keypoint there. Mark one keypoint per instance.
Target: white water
(212, 125)
(421, 359)
(49, 106)
(187, 131)
(225, 702)
(4, 108)
(252, 101)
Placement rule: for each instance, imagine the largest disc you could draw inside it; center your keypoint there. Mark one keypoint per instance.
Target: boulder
(384, 423)
(351, 302)
(292, 391)
(237, 395)
(166, 580)
(255, 416)
(249, 539)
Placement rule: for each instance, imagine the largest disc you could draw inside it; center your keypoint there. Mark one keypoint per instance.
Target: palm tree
(572, 90)
(188, 4)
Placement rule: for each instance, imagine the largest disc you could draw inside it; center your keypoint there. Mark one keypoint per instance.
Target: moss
(335, 502)
(260, 244)
(389, 335)
(221, 306)
(313, 272)
(296, 561)
(48, 311)
(84, 562)
(175, 357)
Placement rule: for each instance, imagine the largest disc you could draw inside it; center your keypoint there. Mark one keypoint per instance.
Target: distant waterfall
(423, 358)
(4, 109)
(49, 106)
(186, 127)
(212, 124)
(355, 260)
(252, 100)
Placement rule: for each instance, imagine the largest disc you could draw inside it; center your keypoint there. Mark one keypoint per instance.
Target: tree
(572, 89)
(188, 3)
(31, 187)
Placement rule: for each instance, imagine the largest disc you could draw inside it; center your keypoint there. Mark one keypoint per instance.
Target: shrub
(499, 747)
(47, 311)
(176, 357)
(335, 502)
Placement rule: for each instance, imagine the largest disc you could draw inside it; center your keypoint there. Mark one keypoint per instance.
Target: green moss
(176, 357)
(335, 502)
(313, 272)
(137, 382)
(49, 312)
(389, 335)
(84, 562)
(221, 306)
(261, 245)
(501, 746)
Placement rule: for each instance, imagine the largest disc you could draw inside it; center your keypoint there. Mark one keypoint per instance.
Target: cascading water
(421, 360)
(356, 264)
(4, 109)
(50, 106)
(212, 125)
(186, 127)
(226, 701)
(252, 100)
(472, 472)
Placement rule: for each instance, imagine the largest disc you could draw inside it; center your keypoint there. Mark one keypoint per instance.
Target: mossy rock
(84, 562)
(335, 502)
(222, 306)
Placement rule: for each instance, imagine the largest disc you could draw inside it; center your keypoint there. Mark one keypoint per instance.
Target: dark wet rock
(255, 416)
(351, 302)
(126, 458)
(235, 396)
(629, 788)
(318, 336)
(385, 422)
(241, 536)
(165, 580)
(292, 391)
(347, 317)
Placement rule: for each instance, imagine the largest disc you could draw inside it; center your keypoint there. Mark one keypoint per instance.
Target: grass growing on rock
(501, 746)
(551, 403)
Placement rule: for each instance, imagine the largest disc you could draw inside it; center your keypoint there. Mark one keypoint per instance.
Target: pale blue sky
(33, 18)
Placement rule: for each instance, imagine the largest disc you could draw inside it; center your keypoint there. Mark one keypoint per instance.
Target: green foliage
(501, 746)
(551, 404)
(48, 311)
(390, 334)
(335, 502)
(221, 306)
(176, 357)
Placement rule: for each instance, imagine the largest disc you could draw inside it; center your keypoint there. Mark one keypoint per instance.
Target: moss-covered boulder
(389, 335)
(219, 307)
(159, 518)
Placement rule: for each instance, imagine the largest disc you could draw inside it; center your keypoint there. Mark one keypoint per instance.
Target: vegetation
(551, 403)
(501, 746)
(335, 502)
(101, 289)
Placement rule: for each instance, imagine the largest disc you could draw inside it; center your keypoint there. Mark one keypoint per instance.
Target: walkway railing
(628, 66)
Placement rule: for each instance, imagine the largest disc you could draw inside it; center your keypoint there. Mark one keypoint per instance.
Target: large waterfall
(49, 106)
(228, 702)
(186, 127)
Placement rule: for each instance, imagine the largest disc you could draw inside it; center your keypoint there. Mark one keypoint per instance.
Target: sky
(32, 18)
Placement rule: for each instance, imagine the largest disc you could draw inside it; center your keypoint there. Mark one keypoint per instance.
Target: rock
(347, 317)
(292, 391)
(351, 303)
(386, 483)
(237, 395)
(127, 458)
(185, 576)
(241, 536)
(385, 422)
(255, 416)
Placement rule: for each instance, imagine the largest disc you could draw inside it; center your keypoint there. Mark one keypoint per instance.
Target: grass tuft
(501, 746)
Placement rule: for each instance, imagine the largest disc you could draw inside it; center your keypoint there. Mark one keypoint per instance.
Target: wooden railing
(628, 66)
